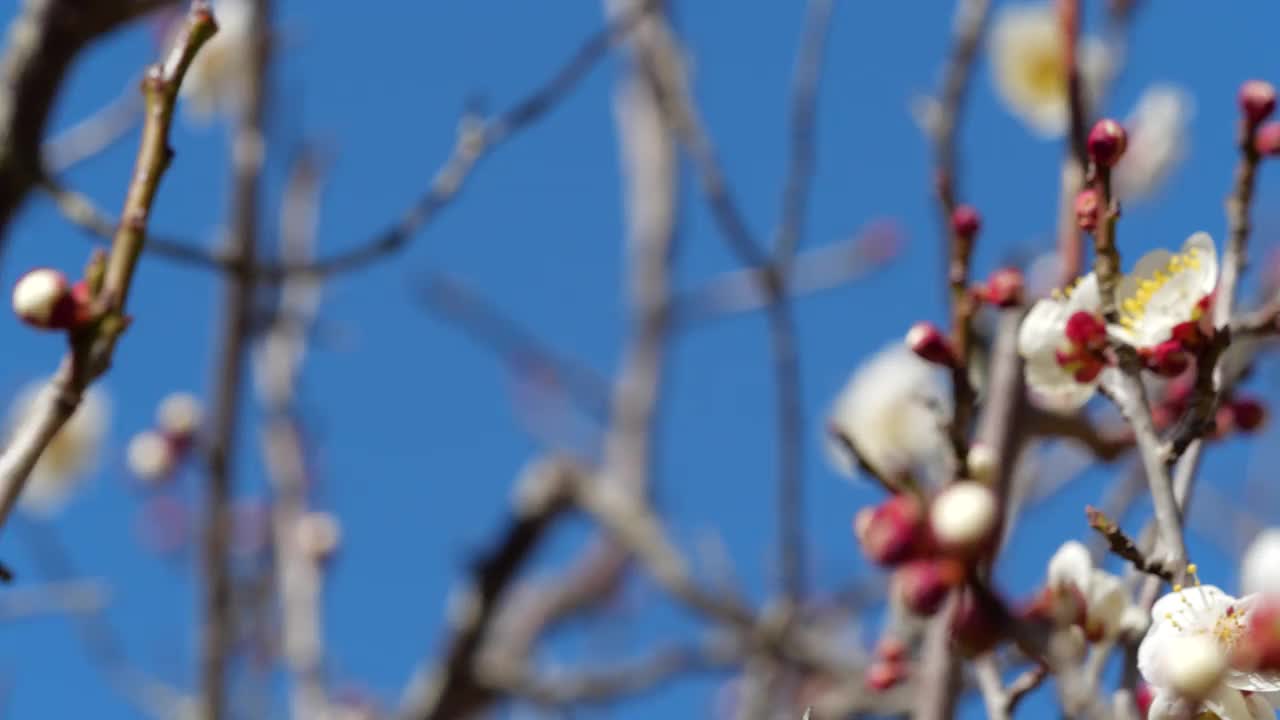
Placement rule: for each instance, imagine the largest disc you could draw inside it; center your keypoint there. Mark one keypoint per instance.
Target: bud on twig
(963, 516)
(893, 531)
(179, 415)
(1004, 288)
(1257, 100)
(982, 462)
(923, 585)
(42, 298)
(150, 457)
(317, 535)
(927, 341)
(1107, 141)
(1247, 413)
(1267, 140)
(966, 221)
(1088, 204)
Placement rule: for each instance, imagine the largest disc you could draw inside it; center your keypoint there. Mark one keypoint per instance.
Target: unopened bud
(963, 516)
(923, 585)
(179, 415)
(1195, 665)
(966, 221)
(1257, 100)
(982, 462)
(1088, 204)
(893, 531)
(317, 535)
(1004, 288)
(1168, 359)
(1259, 646)
(976, 626)
(1248, 413)
(883, 675)
(1267, 140)
(42, 299)
(1107, 141)
(927, 341)
(150, 457)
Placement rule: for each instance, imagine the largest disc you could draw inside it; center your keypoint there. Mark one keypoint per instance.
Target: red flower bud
(1168, 359)
(884, 675)
(976, 626)
(1088, 204)
(927, 341)
(1086, 330)
(1004, 288)
(1267, 140)
(1248, 413)
(1257, 100)
(923, 585)
(1107, 141)
(42, 298)
(966, 221)
(893, 531)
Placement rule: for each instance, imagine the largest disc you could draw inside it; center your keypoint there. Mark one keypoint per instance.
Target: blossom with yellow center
(1166, 290)
(1186, 657)
(67, 459)
(1030, 75)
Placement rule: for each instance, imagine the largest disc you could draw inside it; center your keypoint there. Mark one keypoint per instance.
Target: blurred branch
(45, 38)
(1106, 444)
(477, 137)
(93, 134)
(299, 574)
(92, 347)
(248, 155)
(61, 597)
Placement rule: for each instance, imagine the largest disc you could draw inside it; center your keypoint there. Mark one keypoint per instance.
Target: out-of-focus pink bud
(1267, 140)
(1257, 100)
(1248, 413)
(882, 675)
(923, 585)
(976, 626)
(1259, 646)
(893, 531)
(1004, 288)
(927, 341)
(965, 221)
(1107, 141)
(1088, 204)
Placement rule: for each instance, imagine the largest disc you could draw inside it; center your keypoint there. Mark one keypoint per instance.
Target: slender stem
(93, 346)
(248, 150)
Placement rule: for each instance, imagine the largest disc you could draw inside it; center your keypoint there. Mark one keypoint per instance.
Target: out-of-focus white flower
(69, 457)
(1108, 609)
(963, 516)
(1165, 290)
(1260, 566)
(1027, 60)
(1158, 140)
(1056, 380)
(215, 82)
(892, 410)
(1186, 653)
(179, 415)
(149, 456)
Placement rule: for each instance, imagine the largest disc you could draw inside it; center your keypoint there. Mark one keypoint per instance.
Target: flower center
(1198, 617)
(1044, 74)
(1132, 309)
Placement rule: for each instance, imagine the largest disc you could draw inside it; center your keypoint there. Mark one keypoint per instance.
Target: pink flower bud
(976, 626)
(1004, 288)
(891, 649)
(966, 221)
(1168, 359)
(42, 298)
(1267, 140)
(927, 341)
(1257, 100)
(1248, 413)
(893, 531)
(1259, 647)
(1107, 141)
(883, 675)
(1088, 204)
(923, 585)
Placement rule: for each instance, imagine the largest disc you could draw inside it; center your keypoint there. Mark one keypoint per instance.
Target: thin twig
(93, 134)
(92, 347)
(1124, 546)
(477, 138)
(248, 156)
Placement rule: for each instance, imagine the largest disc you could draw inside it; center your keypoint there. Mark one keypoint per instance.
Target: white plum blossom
(215, 82)
(1185, 658)
(892, 410)
(71, 455)
(1158, 139)
(1108, 609)
(1260, 565)
(1028, 64)
(1042, 338)
(1165, 290)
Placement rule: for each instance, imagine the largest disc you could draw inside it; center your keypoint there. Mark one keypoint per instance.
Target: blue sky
(416, 438)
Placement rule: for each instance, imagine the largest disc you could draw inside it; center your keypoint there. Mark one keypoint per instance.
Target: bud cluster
(154, 455)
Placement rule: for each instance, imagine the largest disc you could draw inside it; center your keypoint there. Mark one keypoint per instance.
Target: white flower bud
(317, 534)
(179, 415)
(40, 298)
(963, 515)
(1195, 665)
(149, 456)
(982, 462)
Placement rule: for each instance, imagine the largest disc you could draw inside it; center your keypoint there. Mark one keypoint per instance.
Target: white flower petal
(1071, 565)
(1260, 565)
